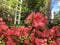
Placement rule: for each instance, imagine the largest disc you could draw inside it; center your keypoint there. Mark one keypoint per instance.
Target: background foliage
(9, 6)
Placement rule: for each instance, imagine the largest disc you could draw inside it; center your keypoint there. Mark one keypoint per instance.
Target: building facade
(59, 5)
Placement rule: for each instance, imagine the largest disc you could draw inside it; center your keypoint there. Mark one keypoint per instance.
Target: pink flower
(10, 41)
(2, 23)
(55, 31)
(30, 28)
(46, 33)
(40, 41)
(22, 31)
(58, 41)
(32, 37)
(29, 19)
(55, 28)
(40, 34)
(38, 25)
(9, 32)
(1, 19)
(4, 27)
(58, 32)
(26, 42)
(39, 20)
(31, 44)
(10, 19)
(17, 33)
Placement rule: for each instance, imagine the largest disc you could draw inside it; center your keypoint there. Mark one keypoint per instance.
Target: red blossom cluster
(35, 33)
(9, 35)
(37, 20)
(40, 35)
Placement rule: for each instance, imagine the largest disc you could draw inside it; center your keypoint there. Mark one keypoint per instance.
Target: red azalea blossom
(32, 38)
(40, 41)
(37, 19)
(26, 42)
(58, 41)
(30, 18)
(10, 19)
(10, 41)
(1, 19)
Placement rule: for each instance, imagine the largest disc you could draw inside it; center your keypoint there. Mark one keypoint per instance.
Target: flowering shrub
(35, 33)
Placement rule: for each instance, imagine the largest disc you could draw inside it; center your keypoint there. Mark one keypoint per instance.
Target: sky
(54, 5)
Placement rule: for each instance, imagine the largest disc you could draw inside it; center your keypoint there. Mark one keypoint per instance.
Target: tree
(38, 5)
(8, 7)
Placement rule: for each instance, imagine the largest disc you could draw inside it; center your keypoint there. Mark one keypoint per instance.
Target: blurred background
(12, 8)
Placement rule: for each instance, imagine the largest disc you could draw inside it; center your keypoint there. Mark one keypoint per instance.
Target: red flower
(26, 42)
(55, 30)
(10, 19)
(46, 33)
(2, 23)
(32, 37)
(4, 27)
(31, 44)
(1, 19)
(9, 32)
(55, 27)
(58, 41)
(22, 31)
(39, 20)
(58, 32)
(29, 19)
(10, 41)
(40, 34)
(40, 41)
